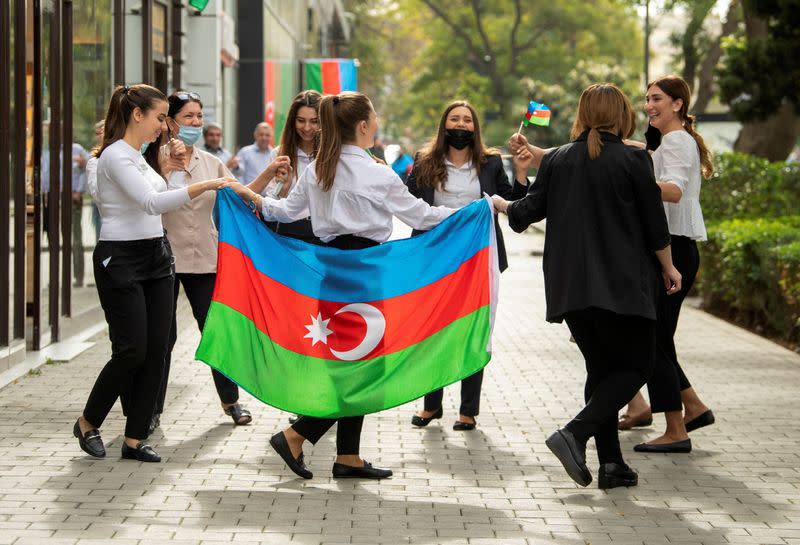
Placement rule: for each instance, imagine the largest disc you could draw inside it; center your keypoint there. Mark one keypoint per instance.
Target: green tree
(417, 55)
(760, 78)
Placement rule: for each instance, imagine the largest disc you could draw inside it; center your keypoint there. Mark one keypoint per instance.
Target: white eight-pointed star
(318, 330)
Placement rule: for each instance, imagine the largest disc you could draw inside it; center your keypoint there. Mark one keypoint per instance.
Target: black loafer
(142, 452)
(294, 418)
(613, 475)
(571, 455)
(91, 443)
(705, 419)
(464, 426)
(341, 471)
(297, 465)
(421, 422)
(666, 448)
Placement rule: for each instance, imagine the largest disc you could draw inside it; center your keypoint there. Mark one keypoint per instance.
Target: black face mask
(459, 138)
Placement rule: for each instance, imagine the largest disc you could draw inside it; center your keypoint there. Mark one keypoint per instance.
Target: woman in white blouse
(454, 169)
(133, 268)
(679, 162)
(299, 144)
(351, 200)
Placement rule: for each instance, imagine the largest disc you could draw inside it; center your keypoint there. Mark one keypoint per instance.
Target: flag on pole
(330, 333)
(538, 114)
(331, 76)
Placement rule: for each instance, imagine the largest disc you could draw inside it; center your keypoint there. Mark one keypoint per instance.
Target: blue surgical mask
(189, 135)
(143, 147)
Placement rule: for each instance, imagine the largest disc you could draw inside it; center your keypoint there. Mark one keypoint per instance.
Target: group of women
(607, 238)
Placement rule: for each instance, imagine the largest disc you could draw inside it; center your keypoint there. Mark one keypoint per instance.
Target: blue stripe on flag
(347, 75)
(388, 270)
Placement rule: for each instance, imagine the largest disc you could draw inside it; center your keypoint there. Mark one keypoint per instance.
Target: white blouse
(461, 187)
(677, 161)
(131, 196)
(364, 197)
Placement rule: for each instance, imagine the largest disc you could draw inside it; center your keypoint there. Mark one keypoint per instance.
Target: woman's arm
(532, 207)
(292, 208)
(411, 210)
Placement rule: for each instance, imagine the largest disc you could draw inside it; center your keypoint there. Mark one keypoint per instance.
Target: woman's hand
(672, 280)
(243, 191)
(500, 204)
(198, 188)
(281, 162)
(177, 149)
(517, 143)
(522, 162)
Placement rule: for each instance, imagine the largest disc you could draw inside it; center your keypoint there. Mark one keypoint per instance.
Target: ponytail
(594, 143)
(338, 116)
(706, 166)
(123, 101)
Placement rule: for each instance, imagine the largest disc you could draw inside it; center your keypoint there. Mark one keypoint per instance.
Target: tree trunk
(705, 83)
(772, 138)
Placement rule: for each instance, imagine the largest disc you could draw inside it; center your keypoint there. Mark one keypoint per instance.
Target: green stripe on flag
(332, 388)
(314, 76)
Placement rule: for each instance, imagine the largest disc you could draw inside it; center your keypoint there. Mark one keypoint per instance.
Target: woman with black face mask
(453, 170)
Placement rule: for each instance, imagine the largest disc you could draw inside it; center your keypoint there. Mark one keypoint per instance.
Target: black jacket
(493, 181)
(605, 220)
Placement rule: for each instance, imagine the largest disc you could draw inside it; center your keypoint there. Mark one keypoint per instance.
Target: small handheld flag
(538, 114)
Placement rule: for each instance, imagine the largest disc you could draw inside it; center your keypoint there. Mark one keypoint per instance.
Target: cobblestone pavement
(498, 484)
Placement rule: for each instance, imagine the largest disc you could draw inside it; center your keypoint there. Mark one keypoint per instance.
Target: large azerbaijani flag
(330, 333)
(331, 76)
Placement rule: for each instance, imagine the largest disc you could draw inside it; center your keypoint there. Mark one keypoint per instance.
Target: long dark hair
(288, 143)
(338, 116)
(603, 107)
(123, 101)
(677, 88)
(432, 172)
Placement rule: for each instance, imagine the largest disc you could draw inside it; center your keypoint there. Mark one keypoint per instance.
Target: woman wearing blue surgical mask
(192, 234)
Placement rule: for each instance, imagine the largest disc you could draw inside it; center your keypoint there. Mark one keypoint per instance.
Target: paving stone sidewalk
(496, 485)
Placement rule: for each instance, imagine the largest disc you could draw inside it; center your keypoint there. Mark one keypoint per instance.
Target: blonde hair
(677, 88)
(338, 116)
(603, 107)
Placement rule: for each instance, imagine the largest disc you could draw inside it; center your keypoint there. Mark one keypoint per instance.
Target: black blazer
(605, 220)
(493, 181)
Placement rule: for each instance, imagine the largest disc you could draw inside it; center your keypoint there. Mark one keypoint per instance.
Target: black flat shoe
(571, 455)
(613, 475)
(421, 422)
(155, 422)
(705, 419)
(666, 448)
(297, 465)
(142, 452)
(464, 426)
(341, 471)
(239, 415)
(91, 443)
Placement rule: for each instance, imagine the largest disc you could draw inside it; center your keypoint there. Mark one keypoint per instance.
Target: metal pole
(66, 194)
(646, 42)
(5, 151)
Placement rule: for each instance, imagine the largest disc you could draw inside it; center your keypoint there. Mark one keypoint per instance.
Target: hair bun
(336, 100)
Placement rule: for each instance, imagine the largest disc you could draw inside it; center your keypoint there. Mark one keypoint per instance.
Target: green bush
(744, 186)
(751, 271)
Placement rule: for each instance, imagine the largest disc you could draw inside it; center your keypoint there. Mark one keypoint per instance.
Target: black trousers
(470, 396)
(348, 433)
(619, 352)
(198, 288)
(668, 379)
(135, 282)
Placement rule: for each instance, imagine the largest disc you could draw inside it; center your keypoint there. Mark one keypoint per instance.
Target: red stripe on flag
(331, 85)
(282, 313)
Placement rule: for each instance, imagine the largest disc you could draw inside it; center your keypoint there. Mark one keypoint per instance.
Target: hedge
(751, 273)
